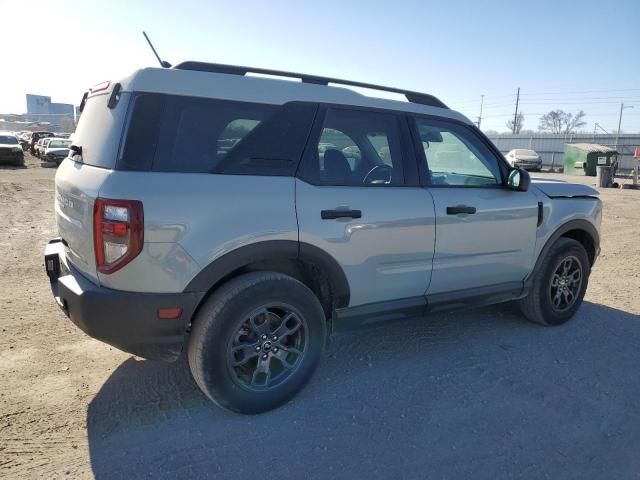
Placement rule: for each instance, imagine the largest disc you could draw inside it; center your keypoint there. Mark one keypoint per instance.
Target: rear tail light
(118, 233)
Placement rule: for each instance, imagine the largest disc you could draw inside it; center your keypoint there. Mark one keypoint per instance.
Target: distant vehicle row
(50, 147)
(28, 140)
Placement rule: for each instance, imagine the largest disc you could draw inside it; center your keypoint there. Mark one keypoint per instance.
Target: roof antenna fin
(163, 63)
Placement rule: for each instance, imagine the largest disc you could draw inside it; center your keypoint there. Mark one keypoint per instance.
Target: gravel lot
(475, 394)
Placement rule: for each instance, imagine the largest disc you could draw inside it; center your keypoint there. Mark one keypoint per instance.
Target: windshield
(522, 151)
(60, 144)
(8, 139)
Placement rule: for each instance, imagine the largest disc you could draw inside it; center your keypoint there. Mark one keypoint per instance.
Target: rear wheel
(256, 342)
(559, 285)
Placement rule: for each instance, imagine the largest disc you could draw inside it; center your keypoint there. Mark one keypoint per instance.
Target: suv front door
(358, 198)
(485, 232)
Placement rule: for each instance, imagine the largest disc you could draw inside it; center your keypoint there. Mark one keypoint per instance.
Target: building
(61, 116)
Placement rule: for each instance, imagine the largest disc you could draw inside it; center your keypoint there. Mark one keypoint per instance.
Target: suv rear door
(358, 199)
(485, 232)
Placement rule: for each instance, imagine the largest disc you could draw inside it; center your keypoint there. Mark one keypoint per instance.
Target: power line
(570, 96)
(570, 92)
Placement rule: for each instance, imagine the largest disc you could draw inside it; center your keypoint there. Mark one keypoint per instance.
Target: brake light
(118, 233)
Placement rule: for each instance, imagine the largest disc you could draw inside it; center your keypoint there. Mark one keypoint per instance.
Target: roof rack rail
(413, 97)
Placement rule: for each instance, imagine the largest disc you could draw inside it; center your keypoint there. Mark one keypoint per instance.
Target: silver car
(524, 158)
(245, 219)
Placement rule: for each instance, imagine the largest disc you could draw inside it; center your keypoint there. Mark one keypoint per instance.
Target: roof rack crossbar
(413, 97)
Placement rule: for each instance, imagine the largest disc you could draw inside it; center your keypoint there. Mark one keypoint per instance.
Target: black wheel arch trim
(578, 224)
(212, 274)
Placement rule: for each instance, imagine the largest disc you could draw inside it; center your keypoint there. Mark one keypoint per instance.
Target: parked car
(41, 145)
(36, 149)
(10, 151)
(63, 135)
(25, 141)
(258, 252)
(35, 136)
(56, 151)
(523, 158)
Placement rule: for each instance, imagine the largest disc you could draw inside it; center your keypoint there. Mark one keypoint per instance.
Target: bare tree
(559, 121)
(519, 123)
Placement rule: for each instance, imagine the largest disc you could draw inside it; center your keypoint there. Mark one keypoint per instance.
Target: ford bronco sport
(244, 219)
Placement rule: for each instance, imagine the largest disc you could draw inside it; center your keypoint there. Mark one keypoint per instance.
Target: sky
(561, 54)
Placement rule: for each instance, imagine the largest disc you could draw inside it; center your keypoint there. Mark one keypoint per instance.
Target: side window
(140, 145)
(381, 144)
(273, 146)
(355, 148)
(335, 139)
(455, 157)
(198, 134)
(235, 131)
(195, 135)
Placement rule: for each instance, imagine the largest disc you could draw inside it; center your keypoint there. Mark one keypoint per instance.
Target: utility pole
(622, 107)
(480, 116)
(515, 115)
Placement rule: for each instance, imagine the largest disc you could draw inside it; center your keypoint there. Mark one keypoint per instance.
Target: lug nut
(265, 356)
(275, 338)
(257, 348)
(264, 337)
(275, 349)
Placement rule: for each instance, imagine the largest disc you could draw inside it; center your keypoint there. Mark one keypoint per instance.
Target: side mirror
(519, 180)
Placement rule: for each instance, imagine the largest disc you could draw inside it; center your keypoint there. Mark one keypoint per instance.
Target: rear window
(59, 143)
(99, 130)
(195, 135)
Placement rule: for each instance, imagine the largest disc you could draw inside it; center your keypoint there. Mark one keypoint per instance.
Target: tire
(539, 306)
(234, 321)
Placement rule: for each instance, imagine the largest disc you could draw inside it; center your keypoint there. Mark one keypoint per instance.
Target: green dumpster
(583, 158)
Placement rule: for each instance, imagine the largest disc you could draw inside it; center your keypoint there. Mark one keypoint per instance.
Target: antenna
(163, 64)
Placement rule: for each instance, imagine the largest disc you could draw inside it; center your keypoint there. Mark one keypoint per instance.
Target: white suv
(244, 219)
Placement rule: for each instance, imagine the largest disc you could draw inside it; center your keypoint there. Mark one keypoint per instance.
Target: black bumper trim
(125, 320)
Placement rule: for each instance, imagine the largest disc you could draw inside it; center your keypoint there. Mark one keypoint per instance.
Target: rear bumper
(126, 320)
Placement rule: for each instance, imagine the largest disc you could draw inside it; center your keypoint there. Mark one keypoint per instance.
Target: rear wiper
(75, 152)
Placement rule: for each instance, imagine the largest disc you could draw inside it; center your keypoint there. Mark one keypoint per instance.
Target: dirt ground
(474, 394)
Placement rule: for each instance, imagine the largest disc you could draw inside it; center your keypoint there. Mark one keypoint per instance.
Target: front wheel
(257, 341)
(559, 284)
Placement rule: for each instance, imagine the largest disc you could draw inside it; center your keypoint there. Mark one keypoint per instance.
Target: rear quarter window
(195, 135)
(142, 132)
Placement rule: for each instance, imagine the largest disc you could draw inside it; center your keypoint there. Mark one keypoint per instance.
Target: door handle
(461, 209)
(333, 214)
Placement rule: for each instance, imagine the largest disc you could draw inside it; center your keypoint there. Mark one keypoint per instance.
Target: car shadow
(473, 394)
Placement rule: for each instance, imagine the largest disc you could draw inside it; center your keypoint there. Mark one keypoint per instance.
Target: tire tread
(533, 305)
